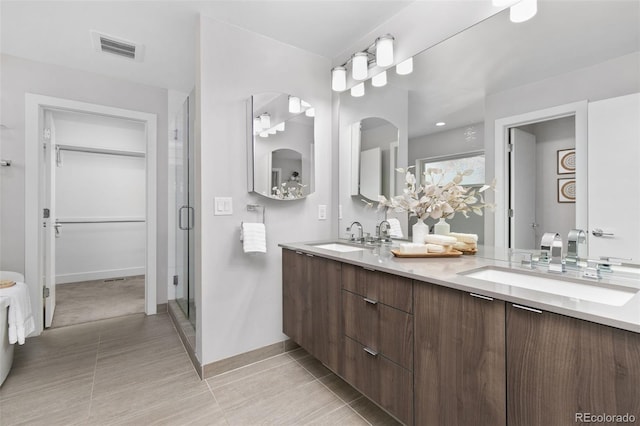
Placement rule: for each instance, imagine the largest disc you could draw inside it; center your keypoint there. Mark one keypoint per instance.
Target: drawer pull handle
(309, 254)
(371, 301)
(526, 308)
(298, 252)
(479, 296)
(368, 269)
(370, 351)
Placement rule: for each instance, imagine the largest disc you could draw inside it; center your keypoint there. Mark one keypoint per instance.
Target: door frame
(501, 153)
(34, 106)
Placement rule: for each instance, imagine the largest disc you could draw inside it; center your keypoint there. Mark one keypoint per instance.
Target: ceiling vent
(117, 46)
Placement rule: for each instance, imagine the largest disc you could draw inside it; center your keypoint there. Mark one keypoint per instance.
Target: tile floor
(133, 370)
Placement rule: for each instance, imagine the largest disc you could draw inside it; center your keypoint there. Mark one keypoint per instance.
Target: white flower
(437, 199)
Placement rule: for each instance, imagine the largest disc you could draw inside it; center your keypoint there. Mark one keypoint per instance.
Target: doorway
(43, 156)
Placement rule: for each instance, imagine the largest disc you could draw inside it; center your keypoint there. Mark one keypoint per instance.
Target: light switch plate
(322, 212)
(222, 206)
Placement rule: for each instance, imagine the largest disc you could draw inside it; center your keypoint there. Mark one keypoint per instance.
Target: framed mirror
(280, 146)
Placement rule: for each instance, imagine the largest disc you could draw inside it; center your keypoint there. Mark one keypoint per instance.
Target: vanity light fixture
(380, 79)
(384, 50)
(357, 90)
(360, 66)
(310, 112)
(280, 127)
(405, 67)
(294, 105)
(265, 120)
(272, 131)
(523, 10)
(339, 79)
(440, 123)
(264, 134)
(257, 127)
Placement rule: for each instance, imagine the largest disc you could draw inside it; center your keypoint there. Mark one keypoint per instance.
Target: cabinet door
(296, 298)
(459, 373)
(326, 310)
(559, 368)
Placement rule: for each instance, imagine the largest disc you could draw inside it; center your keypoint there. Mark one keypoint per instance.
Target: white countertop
(446, 272)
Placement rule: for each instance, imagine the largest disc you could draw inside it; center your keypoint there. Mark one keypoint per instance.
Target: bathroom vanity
(434, 346)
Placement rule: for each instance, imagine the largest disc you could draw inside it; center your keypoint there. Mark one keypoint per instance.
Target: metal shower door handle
(183, 228)
(190, 218)
(600, 233)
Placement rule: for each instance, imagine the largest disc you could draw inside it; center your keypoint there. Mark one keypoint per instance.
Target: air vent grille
(105, 43)
(117, 48)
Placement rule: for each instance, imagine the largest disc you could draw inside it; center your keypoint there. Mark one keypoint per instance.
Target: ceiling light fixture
(265, 120)
(523, 10)
(280, 127)
(339, 79)
(440, 123)
(379, 80)
(357, 90)
(405, 67)
(311, 112)
(360, 66)
(384, 50)
(294, 105)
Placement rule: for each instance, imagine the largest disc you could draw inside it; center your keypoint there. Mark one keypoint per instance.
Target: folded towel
(437, 248)
(464, 238)
(21, 322)
(413, 248)
(465, 246)
(253, 236)
(395, 230)
(443, 240)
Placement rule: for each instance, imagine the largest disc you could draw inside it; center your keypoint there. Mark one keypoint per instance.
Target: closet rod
(63, 222)
(100, 151)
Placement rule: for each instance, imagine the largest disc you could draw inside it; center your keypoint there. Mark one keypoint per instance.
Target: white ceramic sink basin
(342, 248)
(589, 292)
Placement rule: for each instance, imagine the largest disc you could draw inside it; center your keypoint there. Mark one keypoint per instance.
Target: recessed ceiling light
(440, 123)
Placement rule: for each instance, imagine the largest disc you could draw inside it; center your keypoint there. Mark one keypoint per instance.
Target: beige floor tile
(342, 389)
(343, 416)
(156, 347)
(68, 415)
(313, 366)
(298, 353)
(249, 370)
(152, 396)
(267, 384)
(297, 406)
(136, 328)
(372, 413)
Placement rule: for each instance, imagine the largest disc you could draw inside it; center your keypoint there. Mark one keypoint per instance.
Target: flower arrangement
(288, 191)
(437, 199)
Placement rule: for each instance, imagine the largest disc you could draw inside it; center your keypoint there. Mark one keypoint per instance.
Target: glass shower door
(185, 240)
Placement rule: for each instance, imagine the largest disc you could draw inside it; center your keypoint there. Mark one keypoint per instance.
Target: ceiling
(58, 32)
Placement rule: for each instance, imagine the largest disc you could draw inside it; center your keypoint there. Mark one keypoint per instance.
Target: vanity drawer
(381, 380)
(379, 286)
(386, 330)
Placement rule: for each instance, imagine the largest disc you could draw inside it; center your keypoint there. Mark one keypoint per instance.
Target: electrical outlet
(322, 212)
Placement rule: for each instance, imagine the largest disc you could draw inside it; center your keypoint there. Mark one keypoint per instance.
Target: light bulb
(360, 66)
(272, 131)
(357, 90)
(384, 51)
(264, 134)
(311, 112)
(379, 80)
(257, 128)
(294, 104)
(280, 127)
(265, 120)
(405, 67)
(523, 10)
(339, 79)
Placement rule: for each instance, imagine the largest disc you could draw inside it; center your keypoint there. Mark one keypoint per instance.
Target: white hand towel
(395, 230)
(21, 322)
(254, 238)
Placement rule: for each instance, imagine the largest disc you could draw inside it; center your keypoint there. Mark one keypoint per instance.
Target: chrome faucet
(574, 239)
(551, 243)
(360, 238)
(382, 232)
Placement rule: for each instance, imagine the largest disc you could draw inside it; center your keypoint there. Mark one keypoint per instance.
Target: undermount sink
(583, 291)
(342, 248)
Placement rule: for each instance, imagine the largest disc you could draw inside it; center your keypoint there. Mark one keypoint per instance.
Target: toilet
(6, 349)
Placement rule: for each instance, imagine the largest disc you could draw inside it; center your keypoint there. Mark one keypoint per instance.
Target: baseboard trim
(99, 275)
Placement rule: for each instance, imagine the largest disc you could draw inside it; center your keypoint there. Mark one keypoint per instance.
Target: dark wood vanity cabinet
(378, 328)
(312, 307)
(559, 368)
(459, 374)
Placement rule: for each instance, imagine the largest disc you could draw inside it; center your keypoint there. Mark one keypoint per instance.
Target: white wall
(20, 76)
(612, 78)
(239, 296)
(99, 186)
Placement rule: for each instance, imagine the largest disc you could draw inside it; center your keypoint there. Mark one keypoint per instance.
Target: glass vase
(420, 230)
(442, 227)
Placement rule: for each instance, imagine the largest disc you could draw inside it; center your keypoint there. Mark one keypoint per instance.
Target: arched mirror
(280, 139)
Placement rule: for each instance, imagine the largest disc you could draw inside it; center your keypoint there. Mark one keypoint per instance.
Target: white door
(48, 174)
(614, 178)
(371, 173)
(522, 190)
